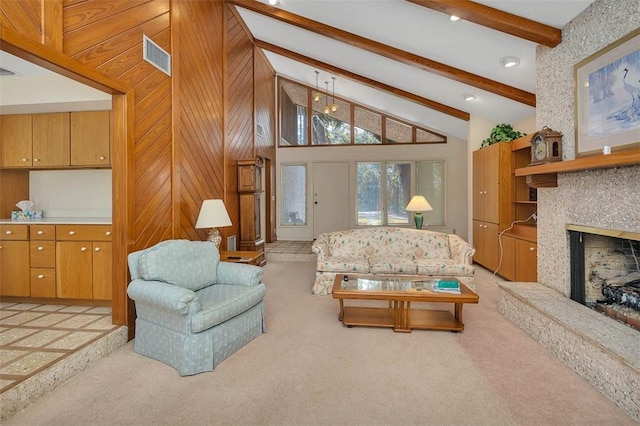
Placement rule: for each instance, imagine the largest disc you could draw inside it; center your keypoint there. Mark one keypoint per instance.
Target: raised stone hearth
(600, 349)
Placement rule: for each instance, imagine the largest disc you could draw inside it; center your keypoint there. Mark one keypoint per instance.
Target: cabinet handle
(72, 232)
(41, 276)
(40, 232)
(24, 160)
(102, 158)
(108, 233)
(36, 160)
(531, 249)
(40, 248)
(83, 249)
(8, 232)
(96, 249)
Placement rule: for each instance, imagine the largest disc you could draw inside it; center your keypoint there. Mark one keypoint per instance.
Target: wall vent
(259, 130)
(156, 55)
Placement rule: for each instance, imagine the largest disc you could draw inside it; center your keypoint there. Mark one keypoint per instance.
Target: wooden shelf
(523, 232)
(617, 159)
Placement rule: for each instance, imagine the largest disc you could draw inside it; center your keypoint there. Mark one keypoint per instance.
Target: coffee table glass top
(385, 284)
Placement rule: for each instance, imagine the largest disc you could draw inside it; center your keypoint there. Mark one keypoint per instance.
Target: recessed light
(509, 61)
(454, 18)
(274, 2)
(469, 97)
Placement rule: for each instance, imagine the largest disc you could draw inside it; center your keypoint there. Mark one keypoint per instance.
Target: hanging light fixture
(334, 106)
(327, 108)
(316, 96)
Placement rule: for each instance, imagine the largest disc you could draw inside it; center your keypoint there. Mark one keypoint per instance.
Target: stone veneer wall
(605, 198)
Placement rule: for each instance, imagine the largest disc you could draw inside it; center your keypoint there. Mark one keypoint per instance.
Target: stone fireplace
(605, 271)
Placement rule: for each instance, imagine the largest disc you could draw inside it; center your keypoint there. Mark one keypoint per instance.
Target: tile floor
(41, 346)
(292, 251)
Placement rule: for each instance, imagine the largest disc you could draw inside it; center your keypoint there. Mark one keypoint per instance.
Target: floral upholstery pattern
(193, 330)
(389, 250)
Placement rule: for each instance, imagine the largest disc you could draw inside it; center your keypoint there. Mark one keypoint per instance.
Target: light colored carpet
(308, 369)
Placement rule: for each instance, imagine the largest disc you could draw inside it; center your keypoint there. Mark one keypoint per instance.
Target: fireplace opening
(605, 272)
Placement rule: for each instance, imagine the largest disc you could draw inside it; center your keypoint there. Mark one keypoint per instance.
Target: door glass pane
(294, 194)
(293, 114)
(430, 184)
(398, 192)
(367, 127)
(398, 132)
(369, 194)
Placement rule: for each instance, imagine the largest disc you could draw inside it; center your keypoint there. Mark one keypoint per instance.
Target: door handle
(315, 202)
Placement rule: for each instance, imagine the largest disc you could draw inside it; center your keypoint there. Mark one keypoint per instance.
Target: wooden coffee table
(400, 293)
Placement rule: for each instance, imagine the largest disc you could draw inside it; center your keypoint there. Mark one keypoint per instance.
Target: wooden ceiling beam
(445, 109)
(496, 19)
(402, 56)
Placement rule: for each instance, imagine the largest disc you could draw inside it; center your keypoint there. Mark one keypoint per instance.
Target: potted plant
(501, 133)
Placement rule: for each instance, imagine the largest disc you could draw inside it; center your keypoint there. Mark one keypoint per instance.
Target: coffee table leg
(341, 315)
(458, 314)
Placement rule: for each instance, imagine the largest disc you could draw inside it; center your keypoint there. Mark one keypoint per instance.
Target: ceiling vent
(4, 72)
(156, 55)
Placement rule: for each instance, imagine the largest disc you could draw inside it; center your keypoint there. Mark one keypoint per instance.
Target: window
(294, 198)
(367, 127)
(330, 129)
(392, 184)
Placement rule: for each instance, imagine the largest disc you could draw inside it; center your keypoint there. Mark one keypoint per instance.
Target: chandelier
(317, 95)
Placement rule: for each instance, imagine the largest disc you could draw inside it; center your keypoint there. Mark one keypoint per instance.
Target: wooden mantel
(630, 157)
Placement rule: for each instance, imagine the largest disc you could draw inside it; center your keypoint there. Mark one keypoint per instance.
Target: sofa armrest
(238, 274)
(168, 297)
(461, 251)
(321, 246)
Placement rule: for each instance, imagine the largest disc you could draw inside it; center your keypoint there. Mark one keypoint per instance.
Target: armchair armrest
(321, 246)
(238, 274)
(168, 297)
(461, 251)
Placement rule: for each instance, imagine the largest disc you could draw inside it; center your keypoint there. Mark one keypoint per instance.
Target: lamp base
(417, 219)
(215, 237)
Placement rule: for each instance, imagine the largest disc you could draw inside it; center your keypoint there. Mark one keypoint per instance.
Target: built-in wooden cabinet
(250, 191)
(43, 260)
(14, 260)
(83, 261)
(504, 230)
(56, 140)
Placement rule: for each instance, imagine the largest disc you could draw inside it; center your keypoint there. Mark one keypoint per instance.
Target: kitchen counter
(60, 221)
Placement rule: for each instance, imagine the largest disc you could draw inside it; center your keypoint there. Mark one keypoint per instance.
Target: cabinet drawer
(43, 232)
(83, 232)
(14, 232)
(43, 282)
(43, 254)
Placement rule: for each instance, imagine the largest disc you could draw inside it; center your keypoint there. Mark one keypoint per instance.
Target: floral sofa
(390, 251)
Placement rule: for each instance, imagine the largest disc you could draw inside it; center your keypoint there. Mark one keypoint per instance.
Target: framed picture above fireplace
(608, 98)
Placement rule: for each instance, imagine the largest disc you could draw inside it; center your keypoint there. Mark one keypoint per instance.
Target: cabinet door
(102, 270)
(90, 138)
(478, 184)
(43, 282)
(15, 140)
(51, 140)
(74, 270)
(508, 267)
(479, 242)
(492, 183)
(526, 261)
(14, 268)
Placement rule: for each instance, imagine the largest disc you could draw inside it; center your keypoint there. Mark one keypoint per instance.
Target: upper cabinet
(55, 140)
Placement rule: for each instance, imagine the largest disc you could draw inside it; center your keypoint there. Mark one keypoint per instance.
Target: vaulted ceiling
(408, 59)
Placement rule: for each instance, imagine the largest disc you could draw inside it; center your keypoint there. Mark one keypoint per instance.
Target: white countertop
(61, 221)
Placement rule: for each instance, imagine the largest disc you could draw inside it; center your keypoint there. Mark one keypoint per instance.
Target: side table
(249, 257)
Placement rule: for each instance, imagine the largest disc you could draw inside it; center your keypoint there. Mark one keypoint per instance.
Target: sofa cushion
(221, 302)
(188, 264)
(443, 267)
(343, 264)
(392, 265)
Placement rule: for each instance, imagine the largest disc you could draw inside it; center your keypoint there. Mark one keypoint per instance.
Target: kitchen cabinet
(43, 260)
(91, 138)
(14, 261)
(83, 261)
(16, 136)
(51, 140)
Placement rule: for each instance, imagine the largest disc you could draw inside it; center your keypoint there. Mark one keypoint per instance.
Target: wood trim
(629, 157)
(402, 56)
(445, 109)
(496, 19)
(52, 24)
(605, 232)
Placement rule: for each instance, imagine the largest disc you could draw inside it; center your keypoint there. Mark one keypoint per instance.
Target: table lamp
(418, 204)
(213, 214)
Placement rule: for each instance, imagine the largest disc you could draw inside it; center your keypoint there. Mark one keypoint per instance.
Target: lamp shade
(418, 204)
(213, 214)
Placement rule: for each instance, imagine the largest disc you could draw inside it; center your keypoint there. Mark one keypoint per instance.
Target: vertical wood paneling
(265, 81)
(108, 36)
(239, 124)
(199, 112)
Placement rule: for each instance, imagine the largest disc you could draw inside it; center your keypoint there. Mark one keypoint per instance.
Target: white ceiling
(397, 23)
(420, 31)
